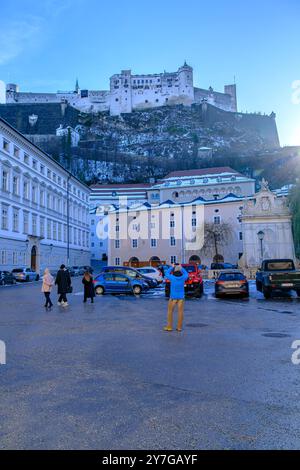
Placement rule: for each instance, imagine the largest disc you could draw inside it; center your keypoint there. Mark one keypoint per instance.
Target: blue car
(119, 283)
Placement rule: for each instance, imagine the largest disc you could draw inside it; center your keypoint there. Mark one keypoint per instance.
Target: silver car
(25, 275)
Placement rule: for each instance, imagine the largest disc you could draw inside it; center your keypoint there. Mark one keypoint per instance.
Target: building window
(16, 185)
(26, 158)
(173, 259)
(172, 223)
(49, 234)
(4, 217)
(42, 198)
(26, 190)
(6, 145)
(16, 152)
(3, 256)
(34, 224)
(15, 220)
(194, 222)
(117, 261)
(153, 243)
(241, 235)
(42, 169)
(42, 227)
(33, 194)
(217, 220)
(5, 180)
(134, 243)
(25, 221)
(34, 164)
(172, 241)
(15, 258)
(117, 243)
(54, 230)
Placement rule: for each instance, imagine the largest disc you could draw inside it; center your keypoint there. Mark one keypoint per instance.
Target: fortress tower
(186, 83)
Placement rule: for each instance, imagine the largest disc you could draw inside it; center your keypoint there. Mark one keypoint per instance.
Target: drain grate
(276, 335)
(196, 325)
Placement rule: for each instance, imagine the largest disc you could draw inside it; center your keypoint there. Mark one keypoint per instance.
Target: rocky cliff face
(146, 143)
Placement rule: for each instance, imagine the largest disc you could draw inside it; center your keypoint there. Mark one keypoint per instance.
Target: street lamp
(261, 236)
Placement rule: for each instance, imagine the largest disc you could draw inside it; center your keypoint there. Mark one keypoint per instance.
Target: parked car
(277, 275)
(152, 272)
(231, 283)
(25, 274)
(71, 270)
(77, 270)
(87, 268)
(133, 273)
(119, 283)
(163, 268)
(193, 285)
(218, 266)
(7, 277)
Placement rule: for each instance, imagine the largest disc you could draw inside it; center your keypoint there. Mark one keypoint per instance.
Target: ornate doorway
(33, 258)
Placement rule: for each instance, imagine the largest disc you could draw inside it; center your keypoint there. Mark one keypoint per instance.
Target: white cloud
(17, 36)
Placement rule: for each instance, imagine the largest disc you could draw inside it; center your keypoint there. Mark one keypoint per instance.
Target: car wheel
(137, 290)
(198, 292)
(99, 290)
(258, 286)
(37, 277)
(266, 292)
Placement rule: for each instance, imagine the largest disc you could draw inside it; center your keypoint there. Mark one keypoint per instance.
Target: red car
(193, 285)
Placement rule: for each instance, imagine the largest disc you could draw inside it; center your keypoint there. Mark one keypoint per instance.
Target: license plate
(287, 284)
(232, 285)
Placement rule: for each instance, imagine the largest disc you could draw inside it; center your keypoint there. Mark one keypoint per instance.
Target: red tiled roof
(202, 172)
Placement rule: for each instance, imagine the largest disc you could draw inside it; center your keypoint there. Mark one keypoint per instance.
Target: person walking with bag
(64, 285)
(89, 291)
(177, 276)
(48, 282)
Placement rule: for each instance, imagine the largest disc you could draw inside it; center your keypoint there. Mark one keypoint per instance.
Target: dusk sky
(45, 46)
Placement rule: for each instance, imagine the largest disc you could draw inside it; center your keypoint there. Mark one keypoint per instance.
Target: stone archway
(218, 258)
(195, 259)
(134, 262)
(154, 261)
(33, 258)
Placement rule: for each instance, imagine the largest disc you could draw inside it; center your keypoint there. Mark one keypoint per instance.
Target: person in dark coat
(63, 282)
(89, 291)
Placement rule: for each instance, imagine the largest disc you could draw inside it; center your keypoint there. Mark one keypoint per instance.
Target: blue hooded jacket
(177, 283)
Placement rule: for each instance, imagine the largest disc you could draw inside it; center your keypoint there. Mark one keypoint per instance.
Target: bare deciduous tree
(216, 236)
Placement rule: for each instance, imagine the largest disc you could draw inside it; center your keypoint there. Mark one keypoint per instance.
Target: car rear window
(231, 277)
(280, 265)
(17, 270)
(190, 268)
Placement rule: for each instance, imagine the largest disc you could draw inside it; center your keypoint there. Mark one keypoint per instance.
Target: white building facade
(130, 92)
(103, 198)
(44, 209)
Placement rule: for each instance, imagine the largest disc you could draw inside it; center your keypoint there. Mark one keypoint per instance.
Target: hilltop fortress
(133, 92)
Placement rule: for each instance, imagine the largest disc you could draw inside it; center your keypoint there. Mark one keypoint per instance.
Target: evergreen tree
(295, 208)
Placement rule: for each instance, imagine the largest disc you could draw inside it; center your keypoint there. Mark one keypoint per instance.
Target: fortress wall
(264, 125)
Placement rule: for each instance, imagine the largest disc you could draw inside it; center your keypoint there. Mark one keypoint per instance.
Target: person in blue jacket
(177, 276)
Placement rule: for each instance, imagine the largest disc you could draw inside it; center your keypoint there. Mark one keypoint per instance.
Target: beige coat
(48, 282)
